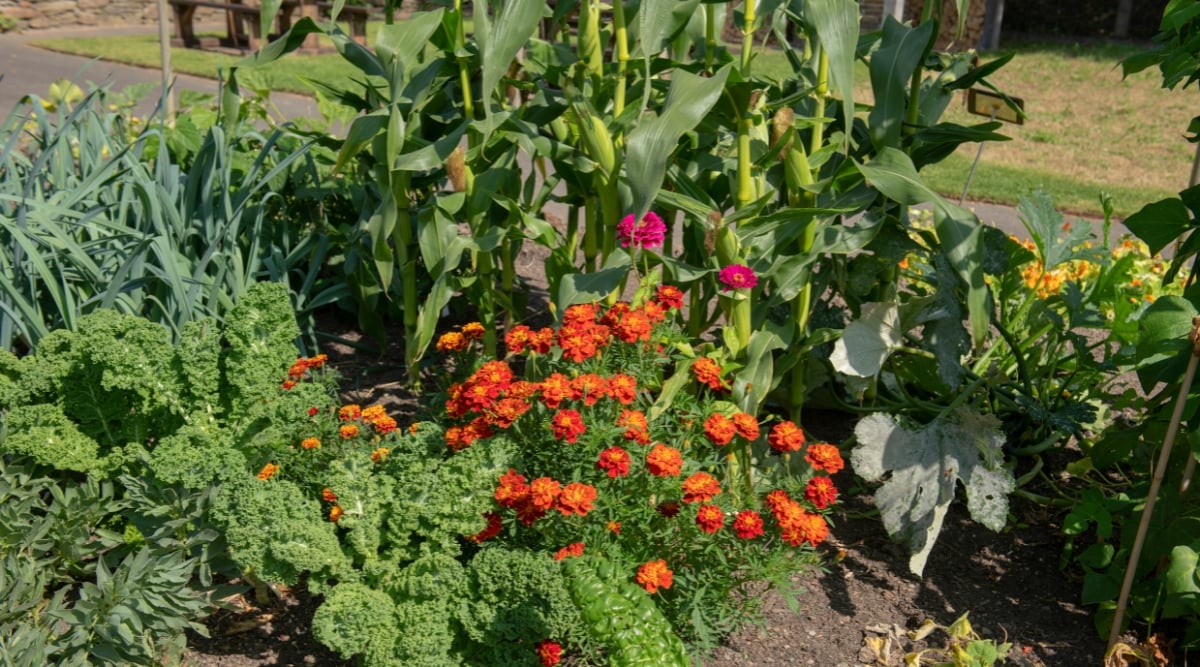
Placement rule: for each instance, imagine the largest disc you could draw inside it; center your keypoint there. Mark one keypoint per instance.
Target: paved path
(26, 69)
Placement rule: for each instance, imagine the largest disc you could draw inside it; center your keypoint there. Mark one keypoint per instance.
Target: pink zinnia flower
(737, 276)
(649, 233)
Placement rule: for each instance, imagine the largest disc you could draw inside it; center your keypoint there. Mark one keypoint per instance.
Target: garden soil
(858, 610)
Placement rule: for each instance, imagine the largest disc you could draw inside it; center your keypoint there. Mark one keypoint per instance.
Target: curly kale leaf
(356, 619)
(260, 336)
(197, 455)
(277, 532)
(45, 435)
(198, 365)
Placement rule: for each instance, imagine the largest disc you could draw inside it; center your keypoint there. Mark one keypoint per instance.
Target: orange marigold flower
(614, 527)
(328, 495)
(523, 389)
(821, 492)
(578, 342)
(622, 388)
(479, 396)
(613, 315)
(412, 428)
(335, 513)
(287, 384)
(451, 341)
(348, 431)
(517, 338)
(708, 372)
(567, 425)
(298, 369)
(349, 413)
(473, 330)
(506, 411)
(701, 487)
(633, 326)
(654, 575)
(543, 491)
(541, 340)
(747, 425)
(549, 653)
(748, 524)
(456, 406)
(719, 429)
(478, 428)
(669, 296)
(489, 531)
(380, 454)
(825, 457)
(710, 518)
(637, 428)
(454, 439)
(589, 388)
(580, 313)
(317, 361)
(776, 499)
(555, 390)
(528, 513)
(615, 461)
(573, 550)
(654, 312)
(384, 425)
(664, 461)
(310, 443)
(268, 471)
(371, 413)
(512, 489)
(577, 498)
(805, 527)
(786, 437)
(495, 373)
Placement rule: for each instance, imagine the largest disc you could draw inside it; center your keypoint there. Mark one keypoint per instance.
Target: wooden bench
(243, 23)
(355, 15)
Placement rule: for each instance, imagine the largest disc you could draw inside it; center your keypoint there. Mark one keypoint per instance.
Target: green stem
(464, 73)
(914, 89)
(821, 92)
(591, 233)
(710, 35)
(403, 241)
(745, 184)
(748, 37)
(622, 55)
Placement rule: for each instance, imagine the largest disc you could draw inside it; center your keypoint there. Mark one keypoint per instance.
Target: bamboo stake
(1160, 471)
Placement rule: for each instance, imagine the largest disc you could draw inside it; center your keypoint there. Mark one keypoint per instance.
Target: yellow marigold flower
(473, 330)
(349, 412)
(412, 428)
(380, 454)
(374, 412)
(452, 342)
(335, 513)
(348, 431)
(268, 471)
(310, 443)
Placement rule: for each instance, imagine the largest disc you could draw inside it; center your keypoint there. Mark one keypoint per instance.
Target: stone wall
(42, 14)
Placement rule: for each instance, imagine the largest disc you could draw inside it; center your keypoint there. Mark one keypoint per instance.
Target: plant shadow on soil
(1009, 583)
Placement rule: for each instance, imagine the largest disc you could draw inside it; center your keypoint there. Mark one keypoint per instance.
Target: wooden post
(309, 8)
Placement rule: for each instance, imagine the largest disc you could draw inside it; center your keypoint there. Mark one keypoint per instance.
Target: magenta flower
(648, 233)
(737, 276)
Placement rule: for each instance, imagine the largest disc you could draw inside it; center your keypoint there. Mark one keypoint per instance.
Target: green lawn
(1088, 130)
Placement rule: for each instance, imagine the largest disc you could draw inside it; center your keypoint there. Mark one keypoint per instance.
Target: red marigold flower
(614, 527)
(451, 341)
(654, 575)
(589, 388)
(719, 429)
(495, 373)
(555, 390)
(507, 410)
(821, 492)
(567, 425)
(574, 550)
(517, 338)
(654, 312)
(737, 276)
(636, 427)
(542, 340)
(550, 653)
(708, 372)
(669, 510)
(615, 461)
(317, 361)
(622, 388)
(473, 330)
(335, 513)
(310, 443)
(348, 431)
(312, 412)
(633, 326)
(512, 489)
(576, 498)
(664, 461)
(700, 488)
(775, 499)
(747, 425)
(456, 406)
(805, 527)
(649, 232)
(748, 524)
(786, 437)
(543, 491)
(581, 342)
(454, 439)
(613, 315)
(825, 457)
(478, 428)
(287, 384)
(479, 396)
(710, 518)
(669, 296)
(268, 471)
(328, 495)
(380, 454)
(349, 413)
(489, 531)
